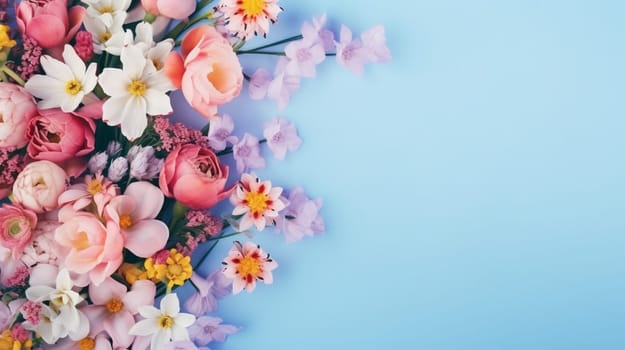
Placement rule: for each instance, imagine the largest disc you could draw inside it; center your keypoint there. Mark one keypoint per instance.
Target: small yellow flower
(132, 273)
(176, 270)
(5, 39)
(155, 272)
(7, 342)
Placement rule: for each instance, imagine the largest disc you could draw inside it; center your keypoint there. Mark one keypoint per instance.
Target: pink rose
(49, 23)
(39, 186)
(208, 70)
(176, 9)
(58, 136)
(17, 106)
(94, 249)
(194, 176)
(16, 227)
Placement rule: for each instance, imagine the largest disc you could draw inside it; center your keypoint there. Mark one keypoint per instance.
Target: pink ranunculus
(94, 249)
(16, 227)
(176, 9)
(194, 176)
(50, 23)
(208, 70)
(39, 186)
(17, 106)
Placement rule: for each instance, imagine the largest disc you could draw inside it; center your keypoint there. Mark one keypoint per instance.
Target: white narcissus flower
(106, 37)
(65, 84)
(164, 325)
(154, 52)
(108, 11)
(136, 90)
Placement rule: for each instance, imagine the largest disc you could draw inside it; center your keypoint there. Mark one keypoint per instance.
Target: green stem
(273, 53)
(182, 26)
(224, 236)
(8, 71)
(199, 263)
(283, 41)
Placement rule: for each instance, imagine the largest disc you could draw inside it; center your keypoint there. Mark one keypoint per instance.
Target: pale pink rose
(176, 9)
(43, 249)
(194, 176)
(94, 249)
(50, 23)
(39, 186)
(16, 227)
(135, 213)
(208, 70)
(17, 106)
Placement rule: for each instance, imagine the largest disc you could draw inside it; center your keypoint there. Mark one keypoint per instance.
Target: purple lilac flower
(208, 329)
(259, 83)
(247, 154)
(97, 162)
(301, 216)
(219, 133)
(281, 137)
(113, 148)
(374, 42)
(317, 29)
(283, 84)
(212, 288)
(350, 53)
(179, 345)
(143, 163)
(304, 55)
(118, 169)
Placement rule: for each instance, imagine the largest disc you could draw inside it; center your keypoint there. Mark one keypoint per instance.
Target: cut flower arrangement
(105, 200)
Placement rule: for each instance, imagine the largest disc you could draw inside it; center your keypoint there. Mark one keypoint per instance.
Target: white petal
(90, 79)
(75, 64)
(39, 293)
(56, 69)
(145, 327)
(71, 102)
(63, 281)
(170, 305)
(184, 320)
(135, 120)
(114, 82)
(158, 103)
(113, 110)
(44, 87)
(179, 333)
(149, 311)
(133, 62)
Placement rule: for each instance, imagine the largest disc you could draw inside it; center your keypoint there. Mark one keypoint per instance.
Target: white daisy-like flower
(164, 325)
(246, 18)
(256, 201)
(154, 52)
(106, 37)
(65, 84)
(135, 90)
(108, 11)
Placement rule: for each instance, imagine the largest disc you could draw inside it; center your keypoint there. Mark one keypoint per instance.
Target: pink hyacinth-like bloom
(29, 62)
(176, 135)
(220, 133)
(10, 166)
(281, 137)
(350, 53)
(114, 308)
(208, 329)
(247, 263)
(84, 45)
(256, 201)
(301, 216)
(210, 289)
(135, 213)
(247, 154)
(94, 189)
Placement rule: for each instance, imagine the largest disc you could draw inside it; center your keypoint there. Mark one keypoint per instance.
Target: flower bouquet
(106, 200)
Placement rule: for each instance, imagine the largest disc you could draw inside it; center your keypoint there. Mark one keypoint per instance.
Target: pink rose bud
(17, 107)
(194, 177)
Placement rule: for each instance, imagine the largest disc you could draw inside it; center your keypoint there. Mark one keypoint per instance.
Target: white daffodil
(65, 84)
(61, 318)
(154, 52)
(108, 11)
(105, 36)
(135, 90)
(165, 325)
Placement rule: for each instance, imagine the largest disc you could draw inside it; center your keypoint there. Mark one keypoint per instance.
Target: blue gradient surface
(474, 188)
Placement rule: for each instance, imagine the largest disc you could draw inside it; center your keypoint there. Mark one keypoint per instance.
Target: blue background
(474, 194)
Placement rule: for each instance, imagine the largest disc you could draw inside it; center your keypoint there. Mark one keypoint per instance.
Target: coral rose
(194, 177)
(16, 227)
(17, 106)
(208, 70)
(39, 186)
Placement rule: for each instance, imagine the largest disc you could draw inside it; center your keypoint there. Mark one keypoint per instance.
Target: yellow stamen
(114, 306)
(86, 344)
(252, 8)
(106, 9)
(165, 322)
(73, 87)
(257, 202)
(249, 266)
(81, 242)
(137, 88)
(125, 221)
(94, 186)
(105, 37)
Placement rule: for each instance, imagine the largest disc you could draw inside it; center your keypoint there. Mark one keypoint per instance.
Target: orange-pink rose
(50, 23)
(208, 71)
(194, 177)
(94, 249)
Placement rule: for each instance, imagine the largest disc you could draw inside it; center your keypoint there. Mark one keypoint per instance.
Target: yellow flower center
(249, 266)
(157, 64)
(106, 9)
(125, 221)
(178, 268)
(257, 202)
(137, 88)
(132, 273)
(94, 186)
(81, 242)
(105, 37)
(86, 344)
(252, 8)
(5, 39)
(165, 322)
(73, 87)
(114, 306)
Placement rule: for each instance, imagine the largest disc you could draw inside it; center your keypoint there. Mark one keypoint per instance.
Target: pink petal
(107, 291)
(142, 293)
(117, 327)
(148, 197)
(146, 237)
(47, 30)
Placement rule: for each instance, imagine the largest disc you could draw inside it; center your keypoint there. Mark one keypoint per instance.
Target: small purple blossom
(247, 154)
(374, 42)
(304, 55)
(219, 133)
(301, 216)
(258, 84)
(350, 52)
(143, 163)
(118, 169)
(212, 288)
(317, 29)
(283, 84)
(208, 329)
(97, 163)
(179, 345)
(113, 148)
(281, 137)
